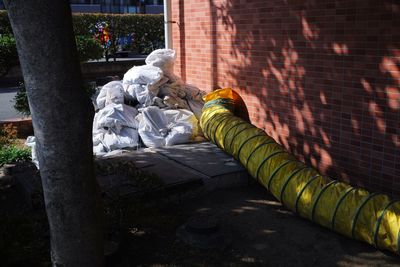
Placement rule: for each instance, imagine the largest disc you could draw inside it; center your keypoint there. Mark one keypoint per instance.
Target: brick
(280, 55)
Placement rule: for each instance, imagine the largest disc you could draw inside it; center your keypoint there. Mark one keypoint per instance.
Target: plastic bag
(111, 93)
(140, 93)
(165, 60)
(31, 142)
(145, 74)
(166, 127)
(182, 125)
(116, 116)
(142, 83)
(126, 137)
(114, 127)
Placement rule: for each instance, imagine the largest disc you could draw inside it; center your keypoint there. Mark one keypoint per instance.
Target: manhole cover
(201, 231)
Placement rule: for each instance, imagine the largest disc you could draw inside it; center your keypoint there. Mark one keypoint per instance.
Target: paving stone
(178, 169)
(204, 157)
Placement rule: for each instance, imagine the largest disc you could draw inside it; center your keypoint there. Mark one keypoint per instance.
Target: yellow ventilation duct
(354, 212)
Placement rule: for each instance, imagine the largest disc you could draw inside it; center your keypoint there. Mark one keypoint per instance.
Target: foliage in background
(8, 135)
(101, 33)
(21, 101)
(88, 48)
(5, 26)
(10, 152)
(146, 31)
(8, 53)
(140, 33)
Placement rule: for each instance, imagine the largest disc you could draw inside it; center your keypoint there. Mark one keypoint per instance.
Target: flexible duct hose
(354, 212)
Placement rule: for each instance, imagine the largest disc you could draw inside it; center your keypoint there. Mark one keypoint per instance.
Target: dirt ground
(256, 231)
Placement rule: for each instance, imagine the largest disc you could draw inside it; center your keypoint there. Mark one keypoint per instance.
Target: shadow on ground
(257, 231)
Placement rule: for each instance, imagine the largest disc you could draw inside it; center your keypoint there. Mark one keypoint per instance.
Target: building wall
(320, 76)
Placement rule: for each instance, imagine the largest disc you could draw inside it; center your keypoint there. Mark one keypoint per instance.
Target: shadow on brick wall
(322, 78)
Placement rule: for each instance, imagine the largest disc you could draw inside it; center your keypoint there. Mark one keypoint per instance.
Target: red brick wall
(322, 77)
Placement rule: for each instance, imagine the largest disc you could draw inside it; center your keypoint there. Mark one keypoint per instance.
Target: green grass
(13, 153)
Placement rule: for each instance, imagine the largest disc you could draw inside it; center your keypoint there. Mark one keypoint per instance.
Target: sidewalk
(7, 110)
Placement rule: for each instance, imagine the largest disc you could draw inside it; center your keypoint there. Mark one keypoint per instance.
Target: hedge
(5, 27)
(88, 48)
(146, 30)
(8, 53)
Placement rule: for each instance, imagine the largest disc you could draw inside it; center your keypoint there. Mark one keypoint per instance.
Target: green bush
(88, 48)
(21, 101)
(10, 152)
(8, 53)
(13, 154)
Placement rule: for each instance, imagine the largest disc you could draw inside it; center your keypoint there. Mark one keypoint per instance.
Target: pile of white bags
(155, 84)
(166, 113)
(114, 125)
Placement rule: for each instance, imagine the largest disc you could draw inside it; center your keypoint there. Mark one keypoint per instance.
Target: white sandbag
(114, 127)
(116, 116)
(98, 135)
(98, 149)
(145, 74)
(142, 83)
(183, 125)
(151, 125)
(101, 99)
(140, 93)
(165, 60)
(166, 127)
(115, 93)
(31, 142)
(126, 137)
(112, 92)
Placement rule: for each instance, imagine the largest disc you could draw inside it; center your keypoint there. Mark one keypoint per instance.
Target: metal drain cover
(201, 231)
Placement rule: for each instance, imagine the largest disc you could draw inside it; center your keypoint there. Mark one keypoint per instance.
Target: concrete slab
(180, 166)
(220, 169)
(171, 175)
(181, 169)
(204, 157)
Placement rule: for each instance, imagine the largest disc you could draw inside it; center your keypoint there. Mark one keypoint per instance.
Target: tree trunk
(62, 119)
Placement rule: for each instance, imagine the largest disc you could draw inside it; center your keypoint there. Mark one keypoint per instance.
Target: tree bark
(62, 119)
